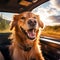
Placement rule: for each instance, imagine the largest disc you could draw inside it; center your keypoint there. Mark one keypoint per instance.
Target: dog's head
(28, 22)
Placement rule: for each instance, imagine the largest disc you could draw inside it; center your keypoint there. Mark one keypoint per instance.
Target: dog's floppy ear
(14, 22)
(41, 24)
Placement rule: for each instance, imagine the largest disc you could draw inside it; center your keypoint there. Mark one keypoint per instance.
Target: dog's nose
(32, 22)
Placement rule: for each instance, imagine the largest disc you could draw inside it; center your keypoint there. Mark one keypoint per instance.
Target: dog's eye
(23, 18)
(34, 17)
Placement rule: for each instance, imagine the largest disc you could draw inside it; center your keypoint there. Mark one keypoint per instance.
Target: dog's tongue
(31, 33)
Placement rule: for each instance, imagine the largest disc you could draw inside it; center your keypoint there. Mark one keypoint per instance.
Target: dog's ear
(41, 24)
(14, 22)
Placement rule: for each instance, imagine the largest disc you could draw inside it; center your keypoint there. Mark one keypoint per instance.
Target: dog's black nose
(32, 22)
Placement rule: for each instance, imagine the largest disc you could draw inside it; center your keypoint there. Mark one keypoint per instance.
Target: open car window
(49, 14)
(5, 19)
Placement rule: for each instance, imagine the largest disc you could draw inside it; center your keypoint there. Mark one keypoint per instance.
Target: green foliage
(3, 24)
(52, 28)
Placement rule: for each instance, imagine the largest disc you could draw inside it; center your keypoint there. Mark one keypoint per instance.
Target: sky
(49, 13)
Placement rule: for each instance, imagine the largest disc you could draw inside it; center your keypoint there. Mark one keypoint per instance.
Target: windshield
(49, 13)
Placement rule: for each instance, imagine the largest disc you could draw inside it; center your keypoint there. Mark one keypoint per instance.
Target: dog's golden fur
(24, 48)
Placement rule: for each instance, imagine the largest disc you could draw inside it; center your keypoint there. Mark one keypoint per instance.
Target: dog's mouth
(31, 33)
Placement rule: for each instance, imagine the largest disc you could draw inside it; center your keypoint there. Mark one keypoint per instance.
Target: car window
(49, 13)
(5, 19)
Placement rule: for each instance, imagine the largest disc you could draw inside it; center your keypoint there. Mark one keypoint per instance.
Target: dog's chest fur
(19, 54)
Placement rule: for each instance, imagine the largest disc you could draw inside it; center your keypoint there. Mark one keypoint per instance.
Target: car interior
(50, 47)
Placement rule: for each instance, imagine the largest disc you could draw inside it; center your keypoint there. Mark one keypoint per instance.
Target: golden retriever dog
(26, 34)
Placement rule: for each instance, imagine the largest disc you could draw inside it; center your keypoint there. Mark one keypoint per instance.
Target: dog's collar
(25, 48)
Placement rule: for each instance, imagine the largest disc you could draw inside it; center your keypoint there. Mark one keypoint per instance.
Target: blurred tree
(3, 23)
